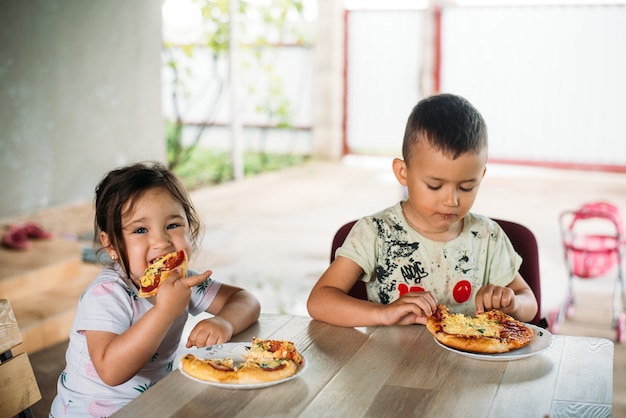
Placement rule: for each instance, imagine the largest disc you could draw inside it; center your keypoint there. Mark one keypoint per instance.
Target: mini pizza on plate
(265, 362)
(489, 332)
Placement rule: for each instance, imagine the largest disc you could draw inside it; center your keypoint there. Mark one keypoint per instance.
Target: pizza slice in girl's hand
(489, 332)
(158, 271)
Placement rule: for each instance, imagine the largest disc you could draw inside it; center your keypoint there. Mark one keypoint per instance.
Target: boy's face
(441, 191)
(157, 225)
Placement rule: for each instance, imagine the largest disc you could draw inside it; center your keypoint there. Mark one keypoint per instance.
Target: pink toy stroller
(593, 240)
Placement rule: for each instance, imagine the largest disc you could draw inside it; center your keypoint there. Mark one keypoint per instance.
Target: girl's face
(157, 225)
(441, 191)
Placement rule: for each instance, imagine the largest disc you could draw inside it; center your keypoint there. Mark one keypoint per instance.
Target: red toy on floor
(17, 237)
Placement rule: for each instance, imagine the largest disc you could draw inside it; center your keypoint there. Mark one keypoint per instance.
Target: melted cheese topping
(459, 324)
(270, 364)
(147, 279)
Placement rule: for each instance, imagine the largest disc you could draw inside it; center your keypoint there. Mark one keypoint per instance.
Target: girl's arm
(117, 358)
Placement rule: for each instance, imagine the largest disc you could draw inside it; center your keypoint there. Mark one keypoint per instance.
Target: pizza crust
(204, 369)
(250, 373)
(473, 344)
(267, 361)
(507, 333)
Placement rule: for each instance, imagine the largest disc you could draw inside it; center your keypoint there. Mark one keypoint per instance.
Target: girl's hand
(175, 292)
(411, 308)
(210, 331)
(495, 297)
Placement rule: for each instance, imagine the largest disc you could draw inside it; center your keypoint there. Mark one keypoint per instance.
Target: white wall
(79, 95)
(384, 59)
(549, 80)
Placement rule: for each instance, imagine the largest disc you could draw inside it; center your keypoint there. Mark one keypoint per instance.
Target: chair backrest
(17, 379)
(525, 243)
(358, 290)
(522, 238)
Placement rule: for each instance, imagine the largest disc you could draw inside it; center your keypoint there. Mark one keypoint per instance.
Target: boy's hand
(495, 297)
(411, 308)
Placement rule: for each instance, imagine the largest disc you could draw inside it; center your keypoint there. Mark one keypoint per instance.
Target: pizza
(266, 361)
(273, 349)
(158, 271)
(489, 332)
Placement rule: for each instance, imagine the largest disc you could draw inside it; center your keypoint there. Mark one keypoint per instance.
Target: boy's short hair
(449, 123)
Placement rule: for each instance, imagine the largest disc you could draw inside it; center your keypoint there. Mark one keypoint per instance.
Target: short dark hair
(449, 123)
(126, 185)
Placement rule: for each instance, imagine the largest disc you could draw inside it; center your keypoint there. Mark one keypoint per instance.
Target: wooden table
(398, 371)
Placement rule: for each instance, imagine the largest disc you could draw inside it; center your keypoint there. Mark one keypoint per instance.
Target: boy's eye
(463, 189)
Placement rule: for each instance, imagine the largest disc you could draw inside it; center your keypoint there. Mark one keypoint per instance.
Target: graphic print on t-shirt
(397, 260)
(399, 257)
(401, 270)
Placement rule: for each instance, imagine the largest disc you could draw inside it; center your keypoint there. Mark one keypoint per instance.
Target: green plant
(260, 25)
(205, 167)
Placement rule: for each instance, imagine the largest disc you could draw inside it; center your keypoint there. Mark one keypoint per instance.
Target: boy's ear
(399, 170)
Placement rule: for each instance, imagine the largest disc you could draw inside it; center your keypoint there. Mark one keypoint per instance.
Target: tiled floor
(272, 235)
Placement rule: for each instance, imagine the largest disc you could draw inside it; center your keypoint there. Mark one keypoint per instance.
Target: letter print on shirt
(397, 261)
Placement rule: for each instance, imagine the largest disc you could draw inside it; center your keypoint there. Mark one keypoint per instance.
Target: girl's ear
(399, 170)
(106, 244)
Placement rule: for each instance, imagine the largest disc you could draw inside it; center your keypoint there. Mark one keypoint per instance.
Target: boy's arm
(329, 301)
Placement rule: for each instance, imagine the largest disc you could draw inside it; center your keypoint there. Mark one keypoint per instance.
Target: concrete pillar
(328, 83)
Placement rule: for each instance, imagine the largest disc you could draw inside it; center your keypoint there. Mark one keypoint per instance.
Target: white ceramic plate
(236, 351)
(541, 342)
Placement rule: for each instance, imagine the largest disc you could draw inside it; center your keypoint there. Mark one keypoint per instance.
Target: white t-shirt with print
(111, 304)
(396, 259)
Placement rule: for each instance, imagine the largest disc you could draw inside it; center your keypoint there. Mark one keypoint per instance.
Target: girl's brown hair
(120, 189)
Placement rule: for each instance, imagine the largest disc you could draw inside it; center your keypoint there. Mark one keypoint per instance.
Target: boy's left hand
(495, 297)
(210, 331)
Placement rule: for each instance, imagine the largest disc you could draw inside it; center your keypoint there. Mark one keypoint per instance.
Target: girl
(121, 344)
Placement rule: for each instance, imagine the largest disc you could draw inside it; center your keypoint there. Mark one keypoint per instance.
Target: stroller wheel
(621, 328)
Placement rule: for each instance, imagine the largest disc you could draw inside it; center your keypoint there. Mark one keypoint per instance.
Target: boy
(430, 248)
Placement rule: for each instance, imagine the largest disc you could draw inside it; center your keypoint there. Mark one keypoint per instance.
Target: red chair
(523, 241)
